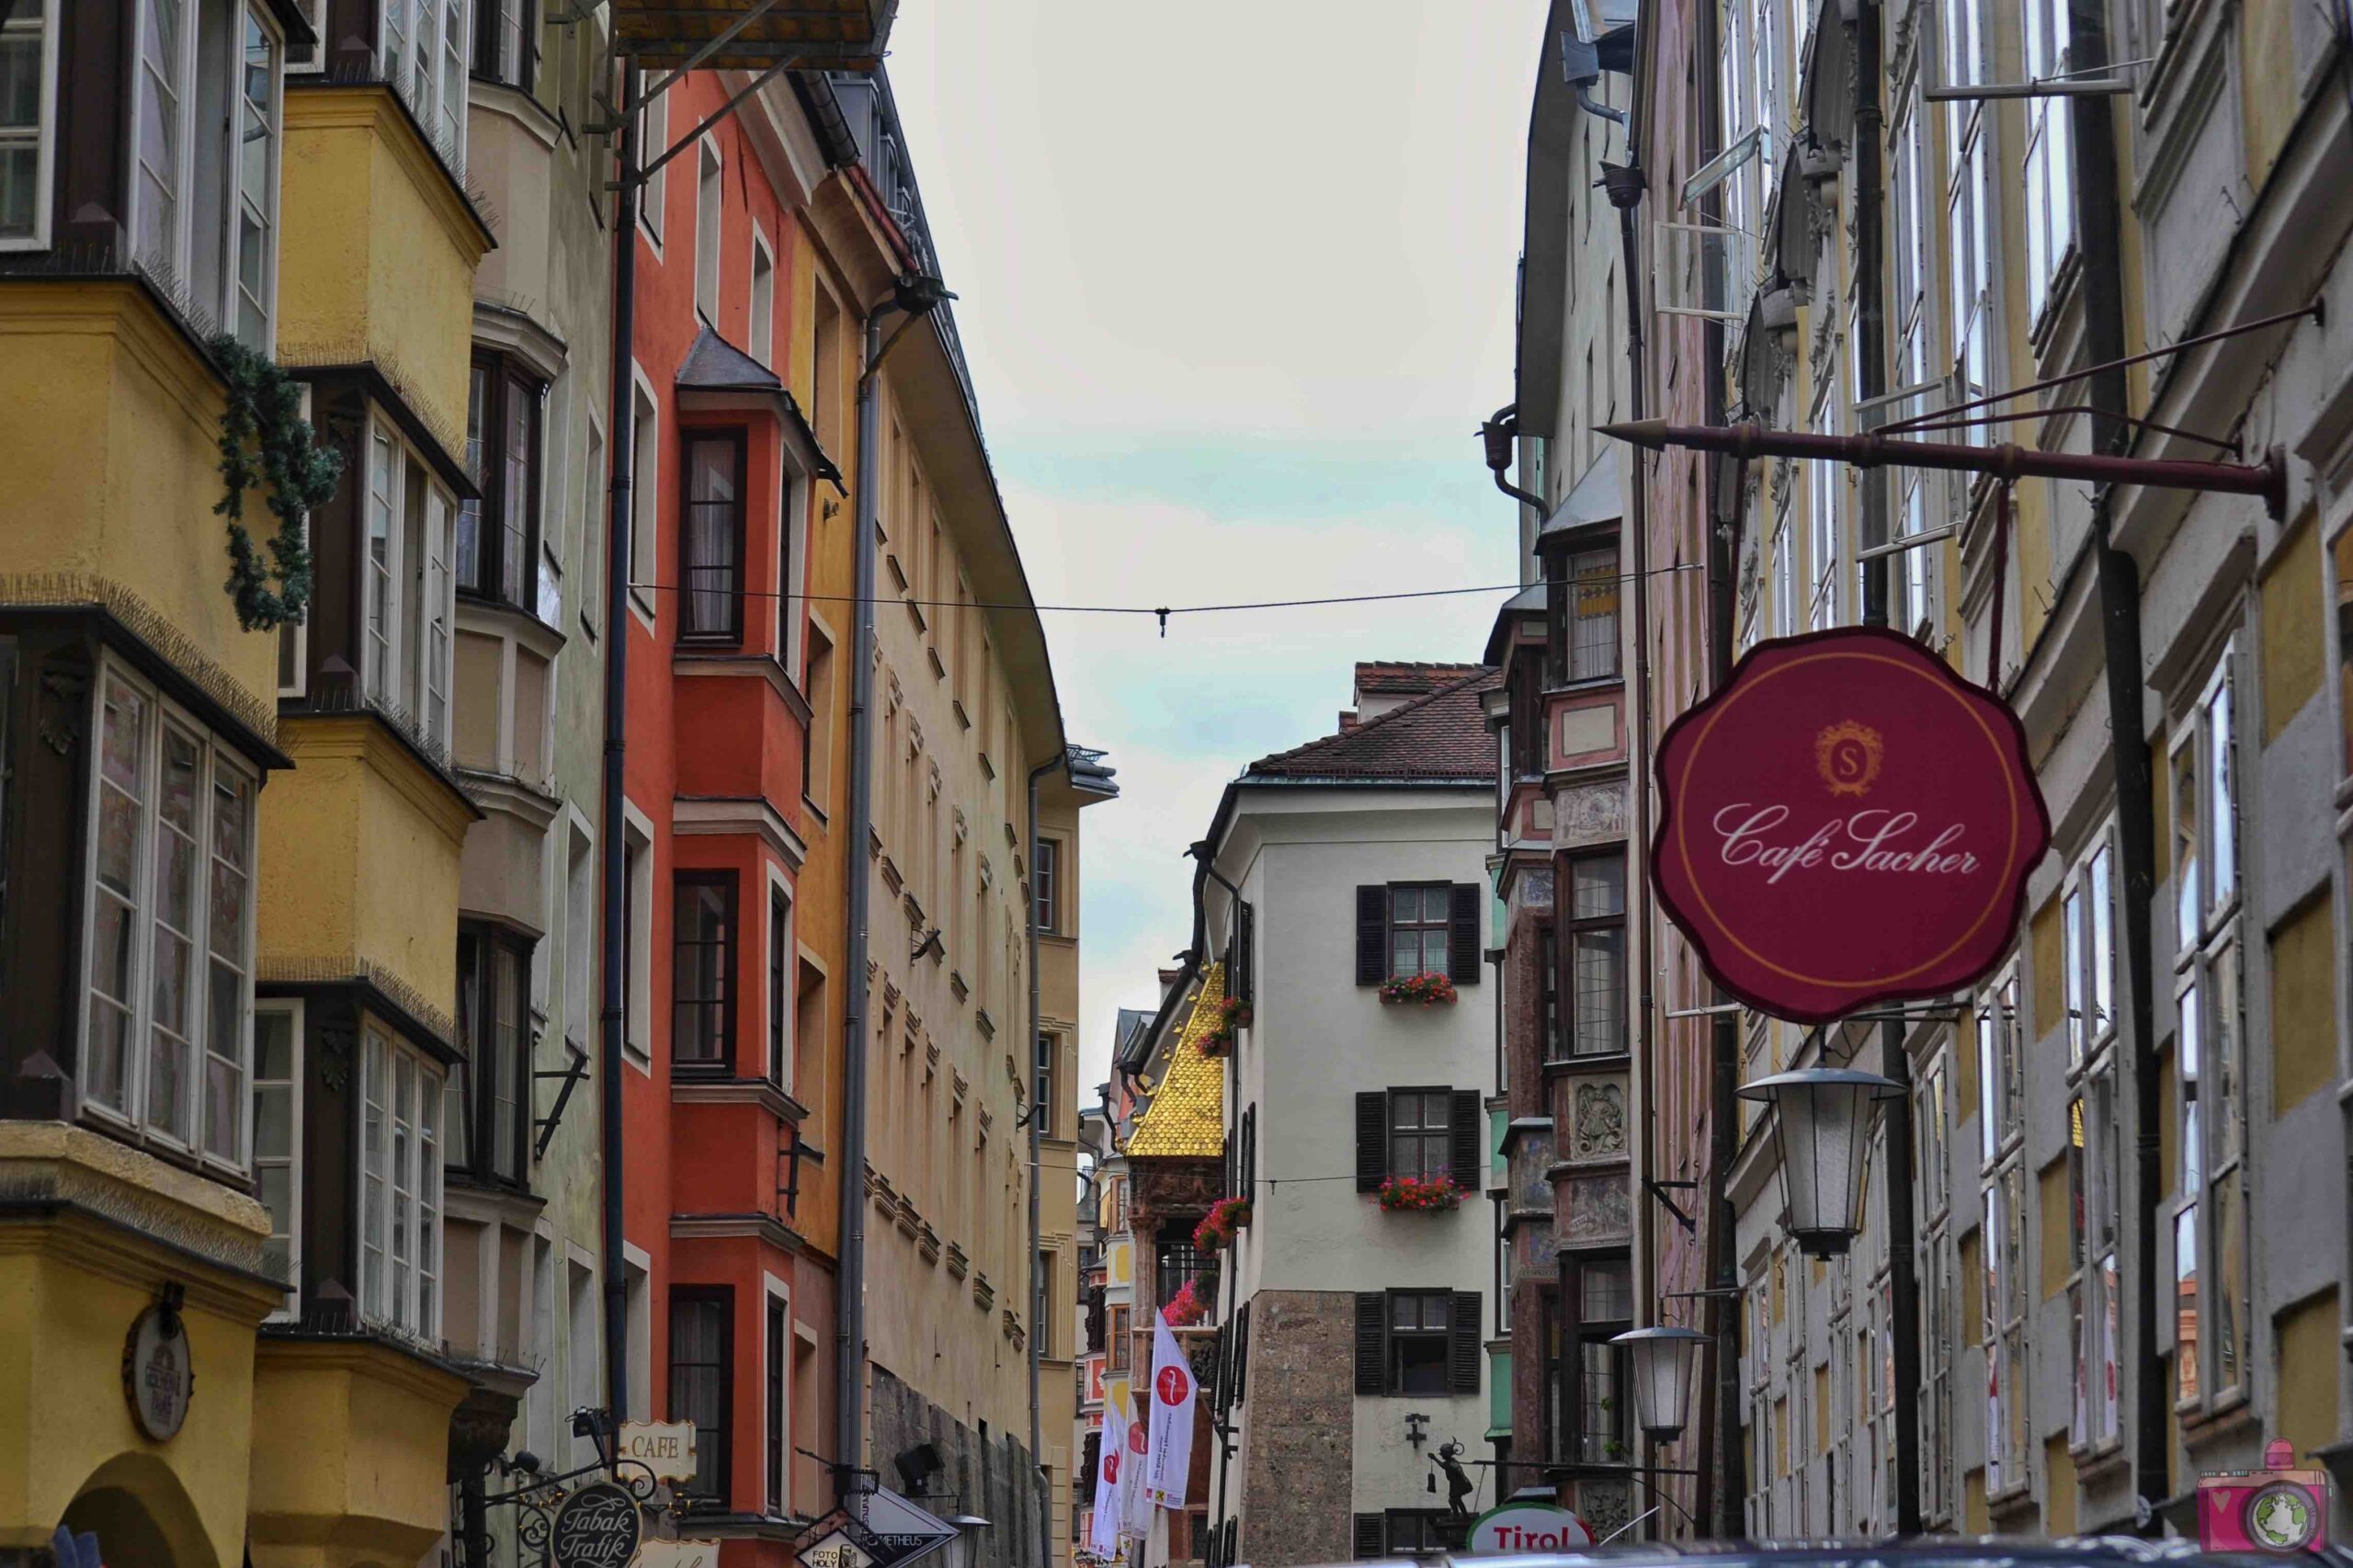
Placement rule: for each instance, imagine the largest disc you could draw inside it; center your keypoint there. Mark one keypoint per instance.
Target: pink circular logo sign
(1846, 823)
(1136, 1437)
(1172, 1385)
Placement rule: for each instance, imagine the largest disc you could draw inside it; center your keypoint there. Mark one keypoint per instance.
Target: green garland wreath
(266, 441)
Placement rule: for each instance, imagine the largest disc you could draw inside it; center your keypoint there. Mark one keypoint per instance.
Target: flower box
(1420, 1194)
(1422, 990)
(1228, 1016)
(1226, 1216)
(1187, 1307)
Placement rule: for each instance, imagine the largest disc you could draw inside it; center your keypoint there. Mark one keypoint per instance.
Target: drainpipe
(615, 868)
(2118, 580)
(1895, 1060)
(1037, 1131)
(1222, 1427)
(849, 1317)
(1501, 433)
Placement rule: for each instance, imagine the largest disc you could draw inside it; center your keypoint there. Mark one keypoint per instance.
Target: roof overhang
(830, 35)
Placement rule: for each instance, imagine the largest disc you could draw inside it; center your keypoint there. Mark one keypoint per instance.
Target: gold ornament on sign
(1847, 756)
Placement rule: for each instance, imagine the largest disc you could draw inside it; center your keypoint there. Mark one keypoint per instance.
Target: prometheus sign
(1846, 823)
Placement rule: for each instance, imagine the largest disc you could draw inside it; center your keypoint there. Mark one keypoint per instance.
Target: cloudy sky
(1235, 280)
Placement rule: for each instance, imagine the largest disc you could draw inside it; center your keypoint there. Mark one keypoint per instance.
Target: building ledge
(686, 1089)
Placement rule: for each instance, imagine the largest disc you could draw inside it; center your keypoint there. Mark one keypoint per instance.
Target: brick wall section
(1297, 1473)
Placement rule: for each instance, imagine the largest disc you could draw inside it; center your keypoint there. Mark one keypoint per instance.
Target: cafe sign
(1848, 823)
(666, 1448)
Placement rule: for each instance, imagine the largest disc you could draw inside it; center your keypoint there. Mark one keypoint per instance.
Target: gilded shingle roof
(1187, 1117)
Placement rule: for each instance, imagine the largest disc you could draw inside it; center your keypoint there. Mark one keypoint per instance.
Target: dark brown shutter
(1368, 1544)
(1372, 1140)
(1373, 1342)
(1241, 979)
(1372, 935)
(1466, 1166)
(1463, 959)
(1241, 1353)
(1250, 1153)
(1463, 1345)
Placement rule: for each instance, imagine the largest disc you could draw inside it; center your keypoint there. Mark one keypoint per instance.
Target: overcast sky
(1235, 280)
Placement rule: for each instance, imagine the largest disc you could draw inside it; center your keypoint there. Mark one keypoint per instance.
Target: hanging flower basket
(1420, 1195)
(1187, 1307)
(1227, 1017)
(1226, 1216)
(1422, 990)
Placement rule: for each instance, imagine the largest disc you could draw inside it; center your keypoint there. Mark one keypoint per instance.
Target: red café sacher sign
(1846, 823)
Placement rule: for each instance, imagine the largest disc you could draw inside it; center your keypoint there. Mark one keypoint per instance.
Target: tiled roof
(1392, 678)
(715, 363)
(1187, 1117)
(1441, 735)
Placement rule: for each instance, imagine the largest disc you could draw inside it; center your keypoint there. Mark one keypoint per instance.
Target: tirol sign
(1846, 823)
(1520, 1528)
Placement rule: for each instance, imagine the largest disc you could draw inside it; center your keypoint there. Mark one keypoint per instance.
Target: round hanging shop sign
(158, 1373)
(596, 1527)
(1846, 823)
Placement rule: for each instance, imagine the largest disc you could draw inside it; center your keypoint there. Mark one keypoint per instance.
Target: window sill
(2102, 1463)
(696, 1086)
(2230, 1416)
(516, 1200)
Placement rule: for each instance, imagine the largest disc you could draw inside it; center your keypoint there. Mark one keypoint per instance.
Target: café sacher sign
(1846, 823)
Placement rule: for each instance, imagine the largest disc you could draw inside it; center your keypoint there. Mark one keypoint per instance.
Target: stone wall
(1299, 1465)
(989, 1474)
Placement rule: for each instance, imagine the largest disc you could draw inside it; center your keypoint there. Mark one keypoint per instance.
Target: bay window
(498, 535)
(167, 1012)
(2088, 945)
(711, 536)
(1602, 1293)
(503, 32)
(421, 49)
(28, 122)
(205, 138)
(702, 975)
(2210, 1227)
(702, 1378)
(400, 1188)
(410, 527)
(489, 1098)
(1596, 938)
(2050, 155)
(1593, 612)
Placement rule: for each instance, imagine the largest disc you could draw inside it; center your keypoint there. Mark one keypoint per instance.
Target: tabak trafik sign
(1846, 823)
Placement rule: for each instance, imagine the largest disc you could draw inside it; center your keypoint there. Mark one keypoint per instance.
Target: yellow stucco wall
(364, 847)
(351, 1454)
(70, 1288)
(2295, 629)
(378, 252)
(2304, 1006)
(2306, 1335)
(109, 424)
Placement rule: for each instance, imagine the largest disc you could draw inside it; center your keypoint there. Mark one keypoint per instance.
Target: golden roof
(1187, 1117)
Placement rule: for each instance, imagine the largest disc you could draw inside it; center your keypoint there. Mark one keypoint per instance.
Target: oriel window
(710, 578)
(498, 535)
(703, 978)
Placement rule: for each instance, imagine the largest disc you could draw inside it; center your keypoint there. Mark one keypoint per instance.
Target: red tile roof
(1441, 735)
(1404, 679)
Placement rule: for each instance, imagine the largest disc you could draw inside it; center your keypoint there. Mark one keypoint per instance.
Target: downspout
(1501, 433)
(1895, 1060)
(2118, 582)
(849, 1318)
(613, 810)
(1221, 1425)
(1625, 185)
(1037, 1131)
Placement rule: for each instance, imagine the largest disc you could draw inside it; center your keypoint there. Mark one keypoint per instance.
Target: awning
(818, 35)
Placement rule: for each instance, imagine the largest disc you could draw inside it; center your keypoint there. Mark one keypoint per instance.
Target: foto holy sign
(1848, 823)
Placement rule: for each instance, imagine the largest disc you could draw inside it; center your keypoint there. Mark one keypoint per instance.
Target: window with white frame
(420, 47)
(711, 193)
(503, 33)
(400, 1187)
(1910, 595)
(28, 122)
(762, 333)
(2210, 1227)
(408, 590)
(277, 1141)
(653, 141)
(204, 190)
(1826, 483)
(166, 1043)
(1784, 580)
(645, 457)
(1932, 1121)
(2087, 918)
(2050, 153)
(1971, 290)
(2002, 1239)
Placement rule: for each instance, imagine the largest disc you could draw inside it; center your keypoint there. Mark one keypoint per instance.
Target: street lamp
(1663, 1360)
(1820, 1118)
(962, 1550)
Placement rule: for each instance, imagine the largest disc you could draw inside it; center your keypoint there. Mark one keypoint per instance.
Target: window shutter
(1239, 982)
(1372, 934)
(1373, 1342)
(1250, 1152)
(1232, 1539)
(1241, 1353)
(1463, 1159)
(1368, 1544)
(1372, 1140)
(1463, 1348)
(1462, 955)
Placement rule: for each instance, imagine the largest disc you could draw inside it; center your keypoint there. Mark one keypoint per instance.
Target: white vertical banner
(1135, 1508)
(1103, 1540)
(1170, 1396)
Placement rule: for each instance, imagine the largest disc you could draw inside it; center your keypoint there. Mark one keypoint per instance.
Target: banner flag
(1169, 1457)
(1105, 1540)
